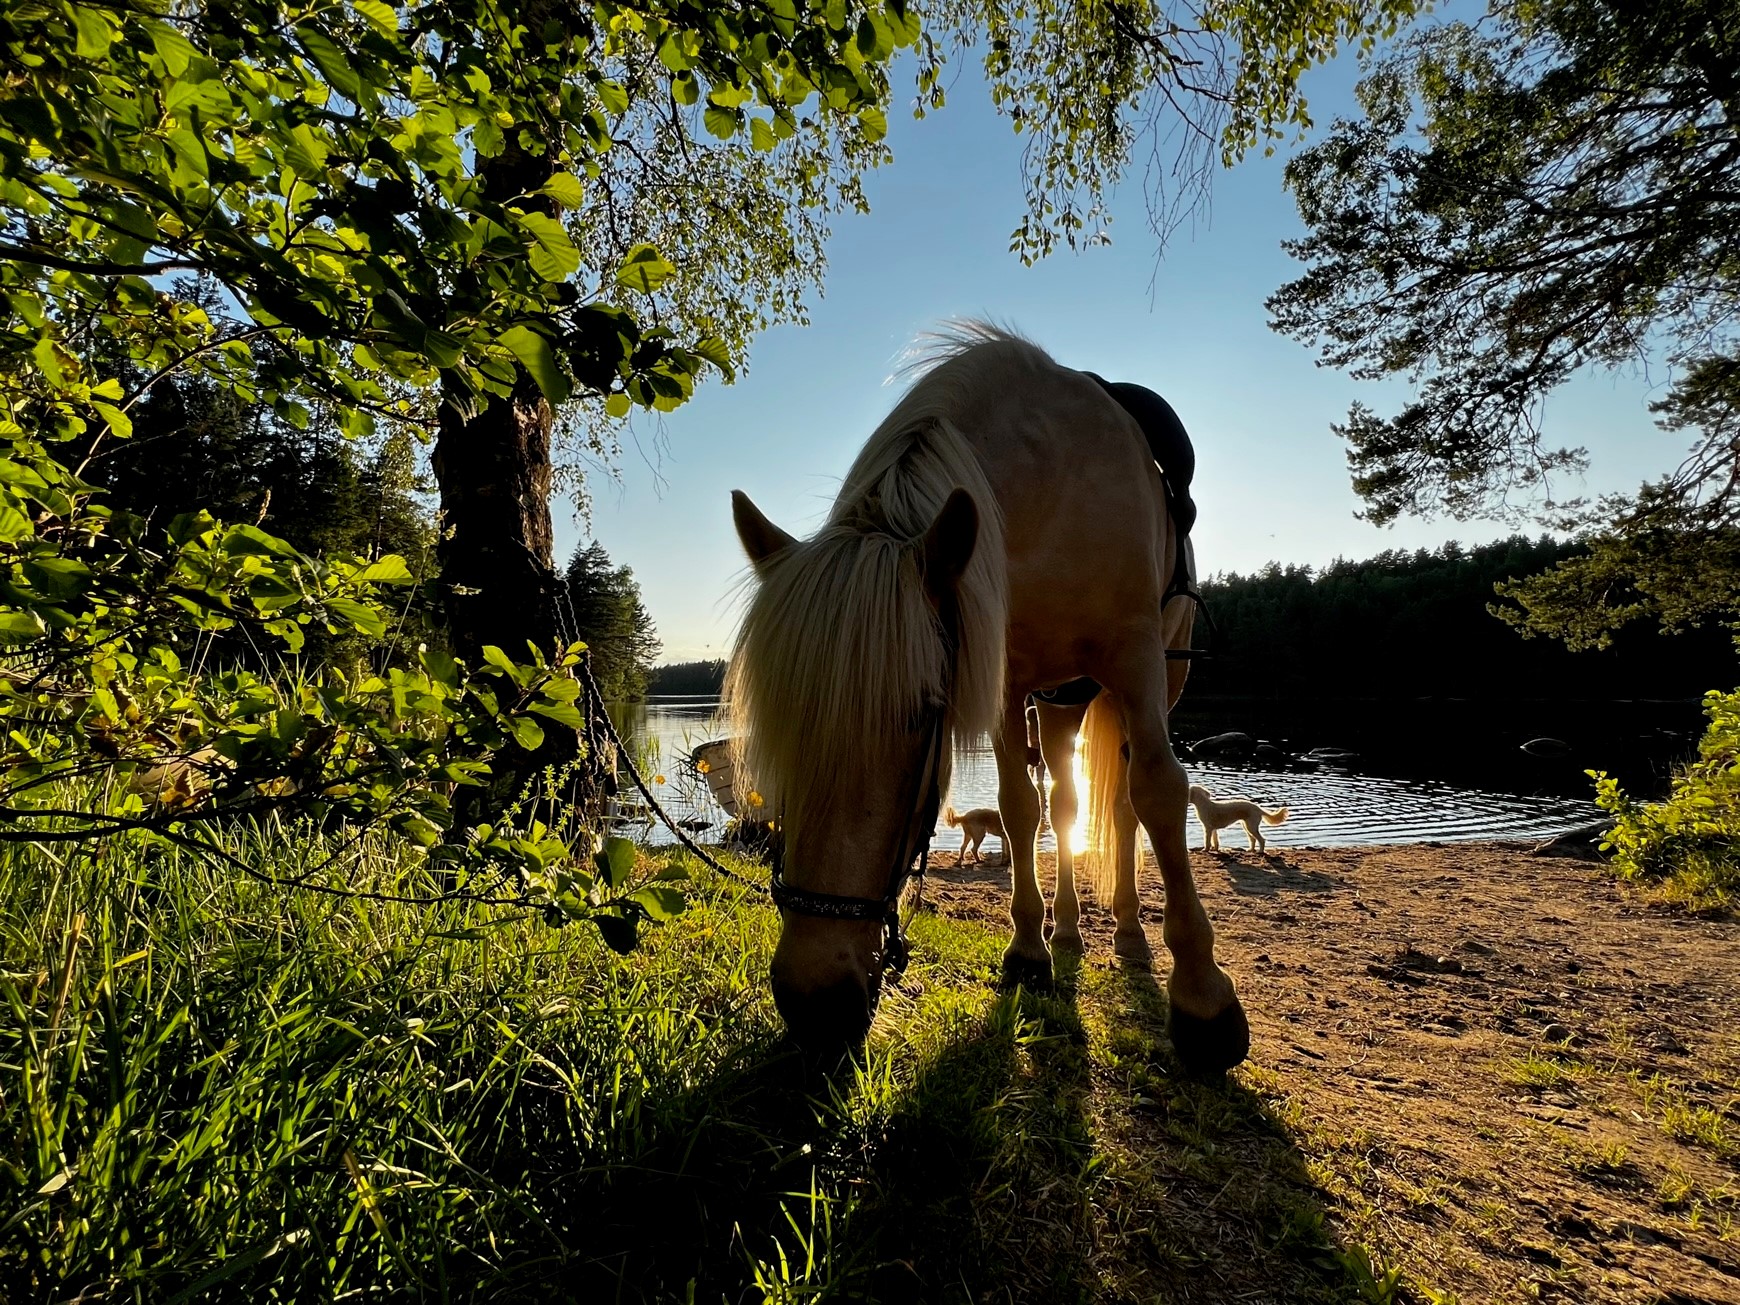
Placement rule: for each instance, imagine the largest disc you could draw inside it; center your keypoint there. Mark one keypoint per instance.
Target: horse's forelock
(840, 651)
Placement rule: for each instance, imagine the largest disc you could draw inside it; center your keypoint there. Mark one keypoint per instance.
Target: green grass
(1543, 1072)
(212, 1088)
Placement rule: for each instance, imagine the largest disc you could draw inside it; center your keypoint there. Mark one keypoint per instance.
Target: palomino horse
(1003, 531)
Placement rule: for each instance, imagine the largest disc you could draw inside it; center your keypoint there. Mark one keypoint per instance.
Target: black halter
(912, 860)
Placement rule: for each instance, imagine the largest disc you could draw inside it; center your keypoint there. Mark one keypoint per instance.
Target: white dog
(975, 825)
(1217, 813)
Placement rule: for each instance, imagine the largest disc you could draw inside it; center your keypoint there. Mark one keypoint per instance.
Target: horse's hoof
(1132, 948)
(1030, 972)
(1068, 940)
(1213, 1045)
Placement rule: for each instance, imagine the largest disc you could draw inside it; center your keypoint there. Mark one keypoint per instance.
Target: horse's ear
(761, 538)
(948, 545)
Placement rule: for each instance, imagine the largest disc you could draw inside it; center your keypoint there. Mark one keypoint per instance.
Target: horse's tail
(1274, 817)
(950, 818)
(1107, 763)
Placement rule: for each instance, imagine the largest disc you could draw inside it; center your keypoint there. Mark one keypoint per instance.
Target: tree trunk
(493, 468)
(497, 567)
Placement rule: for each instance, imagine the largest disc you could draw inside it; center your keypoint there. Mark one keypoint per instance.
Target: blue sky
(1271, 480)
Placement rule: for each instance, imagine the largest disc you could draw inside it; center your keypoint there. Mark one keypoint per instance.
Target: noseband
(911, 861)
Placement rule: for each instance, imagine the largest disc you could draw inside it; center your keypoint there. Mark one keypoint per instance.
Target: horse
(1003, 532)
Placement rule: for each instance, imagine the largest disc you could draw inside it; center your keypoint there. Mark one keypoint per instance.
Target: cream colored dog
(1217, 813)
(975, 826)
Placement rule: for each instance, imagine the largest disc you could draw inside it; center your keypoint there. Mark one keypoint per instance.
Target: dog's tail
(954, 822)
(1275, 817)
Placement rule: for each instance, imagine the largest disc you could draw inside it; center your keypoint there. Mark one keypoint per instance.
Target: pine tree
(609, 615)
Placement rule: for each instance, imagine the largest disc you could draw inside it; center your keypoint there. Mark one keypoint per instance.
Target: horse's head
(842, 678)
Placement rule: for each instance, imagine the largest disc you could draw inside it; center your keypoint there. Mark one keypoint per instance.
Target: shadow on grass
(1008, 1146)
(1204, 1195)
(952, 1160)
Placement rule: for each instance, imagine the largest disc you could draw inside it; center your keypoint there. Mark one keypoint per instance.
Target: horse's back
(1089, 543)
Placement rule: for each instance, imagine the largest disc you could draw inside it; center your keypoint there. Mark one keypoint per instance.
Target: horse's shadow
(1270, 874)
(1045, 1148)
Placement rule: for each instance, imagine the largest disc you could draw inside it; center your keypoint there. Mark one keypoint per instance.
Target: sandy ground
(1515, 1076)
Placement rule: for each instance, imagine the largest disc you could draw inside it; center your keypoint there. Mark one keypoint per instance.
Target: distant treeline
(686, 679)
(1416, 624)
(1399, 625)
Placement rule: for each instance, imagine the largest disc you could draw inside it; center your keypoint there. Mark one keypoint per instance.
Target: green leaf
(618, 404)
(535, 354)
(96, 32)
(720, 122)
(487, 137)
(645, 269)
(564, 713)
(717, 352)
(552, 253)
(306, 153)
(379, 16)
(19, 627)
(440, 667)
(527, 733)
(251, 541)
(612, 96)
(502, 662)
(176, 51)
(660, 901)
(874, 123)
(331, 62)
(761, 135)
(619, 933)
(387, 570)
(615, 861)
(370, 620)
(119, 422)
(14, 525)
(565, 189)
(57, 577)
(671, 55)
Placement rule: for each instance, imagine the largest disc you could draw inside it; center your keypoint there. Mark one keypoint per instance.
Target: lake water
(1417, 776)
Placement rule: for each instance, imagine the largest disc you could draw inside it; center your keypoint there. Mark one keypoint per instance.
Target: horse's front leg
(1027, 959)
(1058, 728)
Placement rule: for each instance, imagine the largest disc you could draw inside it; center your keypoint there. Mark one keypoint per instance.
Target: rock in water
(1230, 744)
(1545, 747)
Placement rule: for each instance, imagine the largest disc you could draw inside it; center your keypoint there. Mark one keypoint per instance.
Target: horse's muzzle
(830, 1021)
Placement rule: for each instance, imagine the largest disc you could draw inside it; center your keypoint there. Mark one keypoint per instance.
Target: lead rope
(601, 714)
(568, 630)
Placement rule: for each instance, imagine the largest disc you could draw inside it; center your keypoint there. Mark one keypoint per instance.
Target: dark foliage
(687, 679)
(1410, 625)
(196, 446)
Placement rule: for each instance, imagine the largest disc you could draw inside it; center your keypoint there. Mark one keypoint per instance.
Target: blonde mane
(839, 651)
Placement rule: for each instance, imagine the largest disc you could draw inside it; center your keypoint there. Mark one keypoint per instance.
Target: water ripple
(1327, 808)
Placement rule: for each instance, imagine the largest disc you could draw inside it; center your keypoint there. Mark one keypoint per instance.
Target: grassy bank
(210, 1087)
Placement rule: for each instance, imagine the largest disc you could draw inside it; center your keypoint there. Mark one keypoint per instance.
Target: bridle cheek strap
(913, 862)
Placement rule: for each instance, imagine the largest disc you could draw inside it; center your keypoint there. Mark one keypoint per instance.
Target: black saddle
(1167, 441)
(1170, 445)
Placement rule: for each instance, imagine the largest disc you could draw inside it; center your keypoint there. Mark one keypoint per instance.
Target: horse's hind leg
(1027, 959)
(1129, 938)
(1207, 1023)
(1058, 728)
